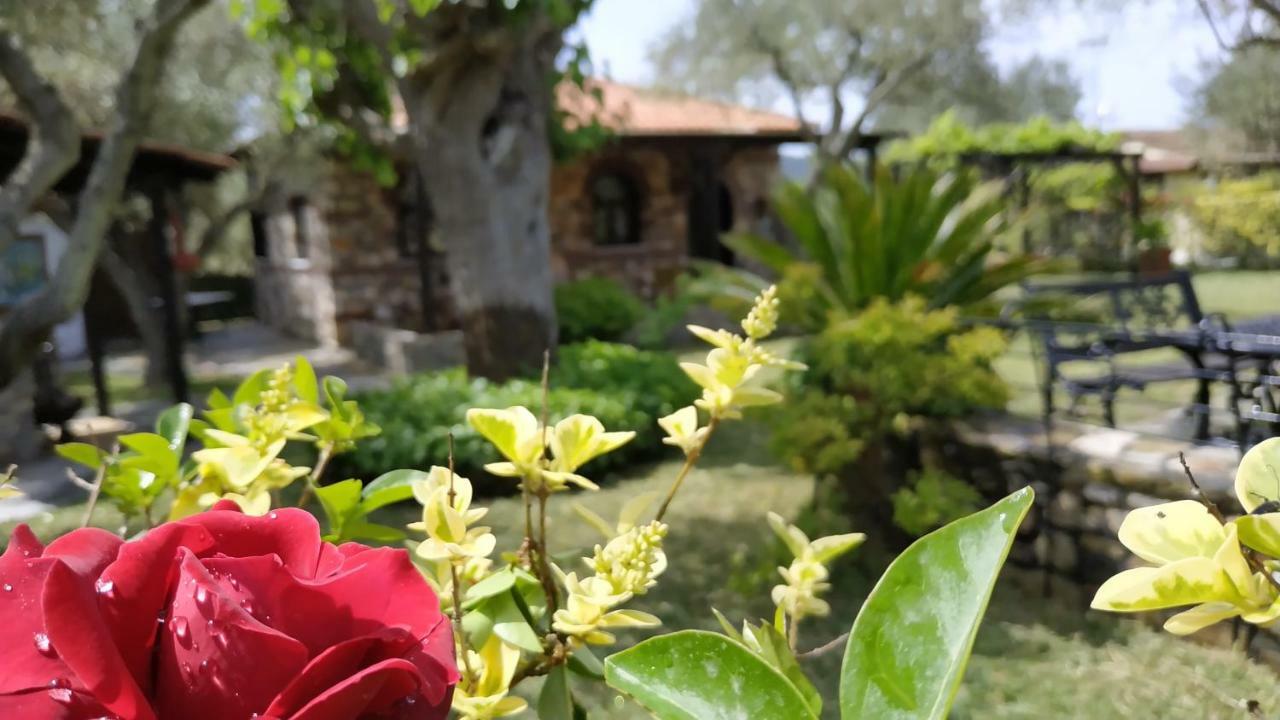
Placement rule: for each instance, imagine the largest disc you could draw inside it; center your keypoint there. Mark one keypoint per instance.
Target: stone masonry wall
(1086, 482)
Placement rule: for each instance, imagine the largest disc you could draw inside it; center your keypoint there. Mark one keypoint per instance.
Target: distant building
(675, 174)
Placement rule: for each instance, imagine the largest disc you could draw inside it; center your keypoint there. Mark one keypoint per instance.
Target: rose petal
(79, 635)
(141, 579)
(373, 590)
(338, 663)
(372, 690)
(51, 704)
(24, 542)
(87, 551)
(292, 534)
(226, 506)
(215, 659)
(23, 666)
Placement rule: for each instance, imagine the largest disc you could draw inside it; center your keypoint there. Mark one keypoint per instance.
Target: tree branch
(887, 82)
(53, 140)
(781, 71)
(30, 321)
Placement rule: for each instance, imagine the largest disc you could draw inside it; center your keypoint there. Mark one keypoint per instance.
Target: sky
(1134, 65)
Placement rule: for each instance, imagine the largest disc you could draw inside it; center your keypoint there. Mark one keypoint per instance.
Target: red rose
(220, 616)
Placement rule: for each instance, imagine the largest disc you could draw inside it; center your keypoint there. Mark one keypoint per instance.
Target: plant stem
(96, 490)
(548, 584)
(1251, 556)
(793, 634)
(457, 613)
(457, 583)
(317, 472)
(689, 461)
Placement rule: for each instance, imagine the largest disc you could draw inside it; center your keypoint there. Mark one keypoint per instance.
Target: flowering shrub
(219, 615)
(352, 632)
(1195, 556)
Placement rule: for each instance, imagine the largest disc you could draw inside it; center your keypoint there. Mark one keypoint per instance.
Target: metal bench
(1132, 315)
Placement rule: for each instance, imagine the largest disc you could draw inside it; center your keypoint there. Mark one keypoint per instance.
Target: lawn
(1036, 658)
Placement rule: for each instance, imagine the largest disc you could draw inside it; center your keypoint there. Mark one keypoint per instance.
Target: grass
(1035, 658)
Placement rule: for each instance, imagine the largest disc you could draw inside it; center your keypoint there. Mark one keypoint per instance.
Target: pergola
(158, 169)
(1014, 166)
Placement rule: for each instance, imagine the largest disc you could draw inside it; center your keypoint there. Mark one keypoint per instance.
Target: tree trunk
(485, 156)
(128, 272)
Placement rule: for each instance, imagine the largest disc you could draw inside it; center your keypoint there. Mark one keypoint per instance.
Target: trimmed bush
(596, 309)
(628, 389)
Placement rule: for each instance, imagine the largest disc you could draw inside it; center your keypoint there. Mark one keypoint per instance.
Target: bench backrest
(1131, 309)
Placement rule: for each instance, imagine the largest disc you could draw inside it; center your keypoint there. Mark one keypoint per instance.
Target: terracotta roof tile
(633, 111)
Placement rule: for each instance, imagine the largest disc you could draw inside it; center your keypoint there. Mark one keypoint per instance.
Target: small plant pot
(1155, 261)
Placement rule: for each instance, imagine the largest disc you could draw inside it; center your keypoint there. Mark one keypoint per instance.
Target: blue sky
(1134, 65)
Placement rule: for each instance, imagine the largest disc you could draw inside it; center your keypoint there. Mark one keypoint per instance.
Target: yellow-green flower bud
(632, 561)
(763, 318)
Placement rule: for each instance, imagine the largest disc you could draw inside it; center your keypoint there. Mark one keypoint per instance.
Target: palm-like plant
(920, 233)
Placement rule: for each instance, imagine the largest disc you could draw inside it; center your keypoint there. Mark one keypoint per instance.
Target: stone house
(674, 174)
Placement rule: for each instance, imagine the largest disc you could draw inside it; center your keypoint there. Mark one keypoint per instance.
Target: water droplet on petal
(160, 617)
(8, 587)
(235, 584)
(43, 646)
(105, 587)
(61, 695)
(204, 600)
(59, 682)
(220, 639)
(181, 631)
(272, 515)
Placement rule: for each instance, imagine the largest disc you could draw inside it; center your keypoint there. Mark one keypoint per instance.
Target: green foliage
(696, 675)
(150, 464)
(622, 386)
(908, 648)
(347, 505)
(868, 375)
(1237, 99)
(905, 656)
(920, 233)
(949, 136)
(596, 308)
(932, 498)
(1240, 219)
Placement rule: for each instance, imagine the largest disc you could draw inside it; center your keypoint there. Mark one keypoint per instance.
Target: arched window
(615, 209)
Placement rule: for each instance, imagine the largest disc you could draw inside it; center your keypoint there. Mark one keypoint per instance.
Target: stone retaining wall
(1086, 482)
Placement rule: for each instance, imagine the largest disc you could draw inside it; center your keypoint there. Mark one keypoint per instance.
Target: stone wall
(344, 264)
(646, 267)
(1086, 482)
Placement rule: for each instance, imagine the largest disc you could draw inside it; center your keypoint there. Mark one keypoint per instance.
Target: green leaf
(159, 457)
(251, 388)
(497, 583)
(910, 643)
(339, 501)
(173, 424)
(373, 532)
(304, 381)
(585, 663)
(775, 651)
(509, 623)
(478, 622)
(555, 702)
(697, 675)
(81, 453)
(390, 488)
